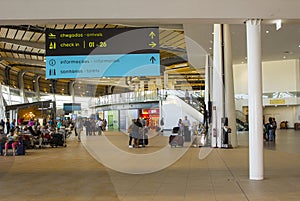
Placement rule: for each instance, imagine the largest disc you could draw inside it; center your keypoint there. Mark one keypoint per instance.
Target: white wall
(277, 76)
(240, 76)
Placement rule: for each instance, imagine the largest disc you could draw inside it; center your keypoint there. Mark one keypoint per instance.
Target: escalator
(241, 121)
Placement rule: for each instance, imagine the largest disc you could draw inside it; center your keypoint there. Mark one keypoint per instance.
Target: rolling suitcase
(187, 134)
(20, 150)
(176, 140)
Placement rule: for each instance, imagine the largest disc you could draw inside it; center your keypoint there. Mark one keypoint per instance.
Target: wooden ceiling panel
(20, 34)
(70, 26)
(60, 26)
(10, 55)
(42, 39)
(11, 33)
(36, 36)
(15, 55)
(80, 26)
(90, 26)
(3, 32)
(28, 35)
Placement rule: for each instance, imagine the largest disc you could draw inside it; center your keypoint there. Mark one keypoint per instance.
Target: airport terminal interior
(124, 110)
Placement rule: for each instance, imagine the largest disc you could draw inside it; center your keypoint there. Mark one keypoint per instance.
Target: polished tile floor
(200, 174)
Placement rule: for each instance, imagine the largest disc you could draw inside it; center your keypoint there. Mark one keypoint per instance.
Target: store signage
(87, 53)
(153, 111)
(277, 101)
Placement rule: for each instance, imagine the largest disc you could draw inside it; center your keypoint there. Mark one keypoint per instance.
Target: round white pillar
(255, 100)
(218, 88)
(229, 86)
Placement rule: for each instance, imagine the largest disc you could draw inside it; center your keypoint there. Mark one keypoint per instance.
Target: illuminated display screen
(87, 53)
(71, 107)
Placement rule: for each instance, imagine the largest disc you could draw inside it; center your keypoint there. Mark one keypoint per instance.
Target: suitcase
(176, 140)
(187, 134)
(20, 150)
(143, 140)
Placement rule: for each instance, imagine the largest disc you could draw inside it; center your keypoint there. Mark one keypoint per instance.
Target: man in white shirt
(186, 124)
(99, 126)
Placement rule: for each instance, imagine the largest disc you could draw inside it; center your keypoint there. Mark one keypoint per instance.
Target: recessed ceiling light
(288, 52)
(298, 45)
(267, 31)
(284, 57)
(210, 48)
(278, 24)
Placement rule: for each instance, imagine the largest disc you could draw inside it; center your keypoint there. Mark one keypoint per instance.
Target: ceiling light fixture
(278, 24)
(267, 31)
(180, 65)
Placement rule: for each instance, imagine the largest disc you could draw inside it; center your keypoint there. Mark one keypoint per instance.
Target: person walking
(79, 128)
(271, 129)
(130, 132)
(99, 126)
(137, 129)
(186, 124)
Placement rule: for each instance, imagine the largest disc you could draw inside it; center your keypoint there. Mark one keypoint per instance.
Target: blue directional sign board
(91, 53)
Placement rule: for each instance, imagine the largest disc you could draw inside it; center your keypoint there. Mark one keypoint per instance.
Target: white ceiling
(276, 44)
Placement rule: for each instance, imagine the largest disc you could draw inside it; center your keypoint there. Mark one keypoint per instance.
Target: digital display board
(71, 107)
(88, 53)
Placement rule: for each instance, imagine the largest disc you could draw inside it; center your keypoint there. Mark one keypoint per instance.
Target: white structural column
(255, 99)
(208, 81)
(72, 90)
(21, 86)
(166, 76)
(229, 86)
(2, 106)
(37, 87)
(218, 88)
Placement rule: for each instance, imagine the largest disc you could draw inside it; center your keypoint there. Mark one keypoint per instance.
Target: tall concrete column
(208, 83)
(37, 87)
(255, 99)
(2, 106)
(218, 88)
(21, 86)
(208, 86)
(229, 86)
(166, 79)
(72, 90)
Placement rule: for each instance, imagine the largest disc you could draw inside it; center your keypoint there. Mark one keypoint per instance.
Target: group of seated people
(28, 136)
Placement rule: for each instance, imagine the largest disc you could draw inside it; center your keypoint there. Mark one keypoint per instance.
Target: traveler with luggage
(186, 132)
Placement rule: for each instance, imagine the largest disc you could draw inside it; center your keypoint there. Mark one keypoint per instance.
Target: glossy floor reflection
(72, 174)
